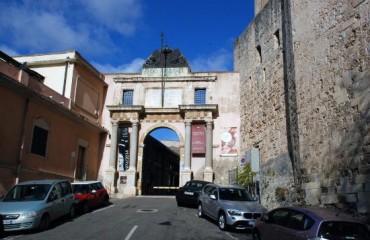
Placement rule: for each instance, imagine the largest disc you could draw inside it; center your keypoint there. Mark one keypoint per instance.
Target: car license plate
(189, 193)
(251, 222)
(7, 222)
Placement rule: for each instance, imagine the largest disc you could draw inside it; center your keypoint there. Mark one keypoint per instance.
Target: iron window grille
(200, 96)
(128, 97)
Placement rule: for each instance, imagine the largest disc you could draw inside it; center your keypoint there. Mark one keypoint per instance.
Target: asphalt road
(137, 218)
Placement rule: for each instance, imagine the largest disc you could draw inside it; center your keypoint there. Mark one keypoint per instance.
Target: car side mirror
(93, 191)
(213, 197)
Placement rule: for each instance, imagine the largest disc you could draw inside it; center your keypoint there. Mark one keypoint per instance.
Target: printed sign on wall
(123, 149)
(228, 141)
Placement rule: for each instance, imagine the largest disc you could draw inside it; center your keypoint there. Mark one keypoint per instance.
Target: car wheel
(72, 212)
(256, 235)
(200, 210)
(106, 201)
(85, 208)
(179, 204)
(222, 221)
(44, 222)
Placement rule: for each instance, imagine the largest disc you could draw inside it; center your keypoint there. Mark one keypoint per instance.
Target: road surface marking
(102, 209)
(130, 233)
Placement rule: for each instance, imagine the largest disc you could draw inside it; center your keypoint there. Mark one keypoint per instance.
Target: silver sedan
(231, 206)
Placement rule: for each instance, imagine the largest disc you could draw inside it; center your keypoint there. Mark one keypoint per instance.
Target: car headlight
(29, 214)
(234, 212)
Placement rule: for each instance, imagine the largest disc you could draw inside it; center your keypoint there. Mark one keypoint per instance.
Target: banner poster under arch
(123, 149)
(198, 138)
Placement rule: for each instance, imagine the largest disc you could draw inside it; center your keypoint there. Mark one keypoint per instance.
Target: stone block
(350, 188)
(362, 178)
(311, 185)
(344, 181)
(367, 139)
(312, 200)
(313, 192)
(328, 183)
(329, 199)
(363, 203)
(349, 198)
(316, 177)
(329, 190)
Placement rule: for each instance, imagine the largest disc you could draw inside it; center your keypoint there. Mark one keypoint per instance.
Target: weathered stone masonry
(325, 68)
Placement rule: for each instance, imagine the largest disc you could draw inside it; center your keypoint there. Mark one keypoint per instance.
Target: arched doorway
(161, 162)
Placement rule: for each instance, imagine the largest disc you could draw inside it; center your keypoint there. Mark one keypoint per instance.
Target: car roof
(84, 182)
(226, 186)
(200, 181)
(44, 181)
(325, 214)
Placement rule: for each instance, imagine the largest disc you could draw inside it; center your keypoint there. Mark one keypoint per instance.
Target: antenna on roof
(162, 38)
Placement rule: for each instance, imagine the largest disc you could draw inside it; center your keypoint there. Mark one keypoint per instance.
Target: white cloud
(118, 15)
(217, 61)
(132, 67)
(44, 26)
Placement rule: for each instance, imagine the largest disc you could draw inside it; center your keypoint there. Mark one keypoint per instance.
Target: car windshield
(343, 230)
(235, 194)
(195, 185)
(80, 188)
(31, 192)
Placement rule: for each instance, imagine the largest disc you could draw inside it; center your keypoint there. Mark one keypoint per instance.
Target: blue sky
(118, 35)
(165, 134)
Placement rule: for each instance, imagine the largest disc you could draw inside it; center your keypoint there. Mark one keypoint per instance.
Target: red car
(89, 195)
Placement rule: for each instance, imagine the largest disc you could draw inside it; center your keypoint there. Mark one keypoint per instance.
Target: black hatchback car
(188, 194)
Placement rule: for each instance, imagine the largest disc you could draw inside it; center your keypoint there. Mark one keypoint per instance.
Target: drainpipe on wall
(21, 145)
(290, 92)
(65, 77)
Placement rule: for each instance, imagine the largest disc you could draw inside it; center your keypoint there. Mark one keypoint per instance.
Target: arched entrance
(161, 162)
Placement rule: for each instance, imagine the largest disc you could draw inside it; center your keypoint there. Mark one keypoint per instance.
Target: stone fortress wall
(305, 83)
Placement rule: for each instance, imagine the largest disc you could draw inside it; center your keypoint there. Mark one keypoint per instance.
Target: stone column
(208, 170)
(186, 173)
(112, 171)
(133, 145)
(130, 189)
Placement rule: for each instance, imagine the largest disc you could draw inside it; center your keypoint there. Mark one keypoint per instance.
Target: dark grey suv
(231, 206)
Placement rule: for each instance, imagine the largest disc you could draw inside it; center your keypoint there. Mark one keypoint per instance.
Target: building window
(39, 140)
(200, 96)
(127, 97)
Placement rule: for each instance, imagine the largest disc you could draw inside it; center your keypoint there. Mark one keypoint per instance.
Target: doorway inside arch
(161, 162)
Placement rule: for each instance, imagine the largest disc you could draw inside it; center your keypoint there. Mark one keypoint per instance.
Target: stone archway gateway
(138, 122)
